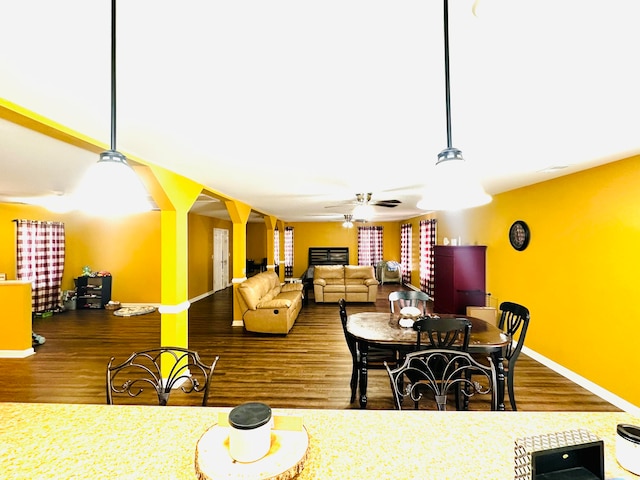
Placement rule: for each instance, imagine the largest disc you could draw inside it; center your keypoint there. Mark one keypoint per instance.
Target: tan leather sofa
(352, 282)
(267, 305)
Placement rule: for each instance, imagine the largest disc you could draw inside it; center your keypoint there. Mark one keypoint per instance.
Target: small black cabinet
(93, 292)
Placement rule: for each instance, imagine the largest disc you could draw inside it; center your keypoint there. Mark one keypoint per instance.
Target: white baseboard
(584, 383)
(17, 353)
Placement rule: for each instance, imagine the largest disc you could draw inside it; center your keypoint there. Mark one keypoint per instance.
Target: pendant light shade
(452, 185)
(111, 187)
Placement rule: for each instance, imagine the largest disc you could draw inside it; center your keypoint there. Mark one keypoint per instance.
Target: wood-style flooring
(308, 368)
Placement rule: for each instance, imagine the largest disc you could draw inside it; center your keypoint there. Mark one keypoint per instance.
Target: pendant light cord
(447, 85)
(113, 75)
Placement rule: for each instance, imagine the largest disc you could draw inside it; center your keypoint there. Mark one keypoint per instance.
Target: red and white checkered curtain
(369, 245)
(406, 231)
(288, 251)
(40, 251)
(427, 242)
(276, 250)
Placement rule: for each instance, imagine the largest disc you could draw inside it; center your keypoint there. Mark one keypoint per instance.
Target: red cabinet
(459, 278)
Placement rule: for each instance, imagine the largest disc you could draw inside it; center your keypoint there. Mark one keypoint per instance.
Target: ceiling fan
(365, 199)
(363, 206)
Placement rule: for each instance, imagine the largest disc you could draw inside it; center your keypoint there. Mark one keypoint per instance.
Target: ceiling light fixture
(452, 186)
(363, 212)
(348, 221)
(97, 192)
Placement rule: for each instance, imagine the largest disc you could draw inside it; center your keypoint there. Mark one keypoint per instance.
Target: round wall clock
(519, 235)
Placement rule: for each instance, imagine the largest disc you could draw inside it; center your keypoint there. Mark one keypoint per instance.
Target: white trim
(200, 297)
(584, 383)
(237, 323)
(181, 307)
(17, 353)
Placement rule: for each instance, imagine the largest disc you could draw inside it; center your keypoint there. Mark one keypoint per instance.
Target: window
(406, 232)
(288, 251)
(369, 245)
(427, 242)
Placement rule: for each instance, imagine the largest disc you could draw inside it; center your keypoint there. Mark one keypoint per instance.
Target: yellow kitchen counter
(53, 441)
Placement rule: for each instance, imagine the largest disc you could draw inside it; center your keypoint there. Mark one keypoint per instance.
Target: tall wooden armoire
(459, 278)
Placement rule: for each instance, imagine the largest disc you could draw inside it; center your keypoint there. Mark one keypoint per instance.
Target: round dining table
(384, 330)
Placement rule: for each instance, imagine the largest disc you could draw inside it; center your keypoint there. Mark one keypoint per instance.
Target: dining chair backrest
(431, 375)
(514, 320)
(408, 298)
(141, 378)
(443, 332)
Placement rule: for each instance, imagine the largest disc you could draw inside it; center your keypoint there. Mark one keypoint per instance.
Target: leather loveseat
(268, 306)
(351, 282)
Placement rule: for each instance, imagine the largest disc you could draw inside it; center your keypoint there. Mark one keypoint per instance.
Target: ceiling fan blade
(388, 203)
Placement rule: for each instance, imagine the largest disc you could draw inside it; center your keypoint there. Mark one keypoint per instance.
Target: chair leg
(354, 382)
(512, 396)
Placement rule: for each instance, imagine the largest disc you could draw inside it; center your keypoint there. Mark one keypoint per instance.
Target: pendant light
(111, 186)
(348, 221)
(452, 187)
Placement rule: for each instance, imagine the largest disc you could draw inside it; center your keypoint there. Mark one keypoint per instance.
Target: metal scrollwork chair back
(141, 376)
(434, 374)
(514, 320)
(409, 298)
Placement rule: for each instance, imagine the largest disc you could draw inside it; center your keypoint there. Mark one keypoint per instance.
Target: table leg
(498, 360)
(364, 353)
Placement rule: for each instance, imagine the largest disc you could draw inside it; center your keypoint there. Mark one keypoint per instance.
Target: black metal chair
(409, 298)
(514, 320)
(183, 369)
(443, 332)
(451, 333)
(376, 356)
(432, 374)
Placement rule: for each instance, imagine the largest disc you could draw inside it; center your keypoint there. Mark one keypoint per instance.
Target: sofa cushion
(327, 272)
(275, 303)
(358, 272)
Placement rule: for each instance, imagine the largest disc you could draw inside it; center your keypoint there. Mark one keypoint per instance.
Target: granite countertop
(54, 441)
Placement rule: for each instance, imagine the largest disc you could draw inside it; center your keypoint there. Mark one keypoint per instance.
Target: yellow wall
(333, 234)
(201, 252)
(129, 248)
(579, 274)
(256, 241)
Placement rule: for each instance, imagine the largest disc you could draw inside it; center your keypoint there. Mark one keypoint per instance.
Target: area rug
(130, 311)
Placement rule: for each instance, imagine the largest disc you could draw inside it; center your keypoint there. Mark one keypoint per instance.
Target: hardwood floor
(308, 368)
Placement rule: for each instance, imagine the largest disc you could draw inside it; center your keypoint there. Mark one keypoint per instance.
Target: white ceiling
(293, 106)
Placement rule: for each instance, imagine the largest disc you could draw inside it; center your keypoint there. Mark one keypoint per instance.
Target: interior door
(220, 259)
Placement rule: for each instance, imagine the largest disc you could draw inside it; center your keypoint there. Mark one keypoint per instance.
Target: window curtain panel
(427, 261)
(276, 251)
(288, 251)
(40, 248)
(406, 232)
(369, 245)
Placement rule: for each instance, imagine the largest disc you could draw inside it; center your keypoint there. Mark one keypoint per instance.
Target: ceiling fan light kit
(452, 186)
(112, 172)
(348, 221)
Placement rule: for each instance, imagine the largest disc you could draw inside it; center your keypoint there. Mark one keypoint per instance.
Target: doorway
(220, 259)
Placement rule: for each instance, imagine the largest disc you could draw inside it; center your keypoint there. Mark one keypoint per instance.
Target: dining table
(382, 329)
